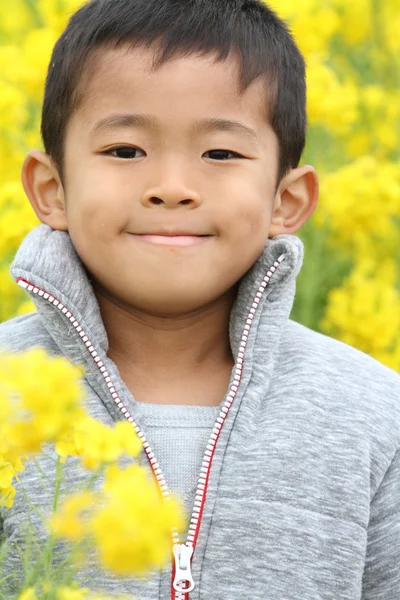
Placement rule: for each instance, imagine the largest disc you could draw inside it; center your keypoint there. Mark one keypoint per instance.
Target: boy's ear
(44, 189)
(295, 200)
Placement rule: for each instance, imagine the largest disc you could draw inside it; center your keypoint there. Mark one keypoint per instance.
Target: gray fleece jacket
(299, 495)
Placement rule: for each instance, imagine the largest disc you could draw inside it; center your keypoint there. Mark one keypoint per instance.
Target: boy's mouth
(173, 239)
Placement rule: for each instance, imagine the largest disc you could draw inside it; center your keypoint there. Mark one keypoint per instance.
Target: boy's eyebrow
(143, 121)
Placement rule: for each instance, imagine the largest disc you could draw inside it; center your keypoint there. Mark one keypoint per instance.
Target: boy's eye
(123, 152)
(128, 152)
(221, 154)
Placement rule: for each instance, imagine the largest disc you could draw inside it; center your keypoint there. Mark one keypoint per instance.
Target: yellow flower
(7, 496)
(9, 467)
(103, 596)
(17, 216)
(356, 20)
(97, 443)
(10, 462)
(12, 296)
(45, 396)
(391, 25)
(378, 131)
(313, 30)
(66, 593)
(29, 594)
(365, 311)
(14, 17)
(331, 103)
(36, 62)
(25, 308)
(128, 521)
(71, 522)
(132, 530)
(13, 107)
(56, 14)
(360, 203)
(10, 64)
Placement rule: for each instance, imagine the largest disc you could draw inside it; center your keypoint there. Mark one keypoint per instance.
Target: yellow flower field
(349, 286)
(127, 521)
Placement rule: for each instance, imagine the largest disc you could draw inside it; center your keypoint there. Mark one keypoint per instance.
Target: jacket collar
(47, 260)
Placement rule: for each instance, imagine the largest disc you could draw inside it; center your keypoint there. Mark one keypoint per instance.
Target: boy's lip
(173, 239)
(172, 233)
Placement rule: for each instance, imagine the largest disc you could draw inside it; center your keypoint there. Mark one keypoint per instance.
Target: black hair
(248, 28)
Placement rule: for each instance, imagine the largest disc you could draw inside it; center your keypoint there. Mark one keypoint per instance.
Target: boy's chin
(172, 303)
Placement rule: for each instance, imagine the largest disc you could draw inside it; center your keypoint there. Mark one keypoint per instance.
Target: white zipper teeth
(210, 448)
(150, 454)
(209, 453)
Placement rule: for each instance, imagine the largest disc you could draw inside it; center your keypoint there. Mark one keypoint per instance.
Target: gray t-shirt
(178, 436)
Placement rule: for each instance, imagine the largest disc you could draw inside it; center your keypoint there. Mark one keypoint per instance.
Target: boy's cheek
(250, 225)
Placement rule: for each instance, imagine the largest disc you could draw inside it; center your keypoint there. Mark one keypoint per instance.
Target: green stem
(386, 73)
(48, 552)
(44, 480)
(93, 478)
(35, 13)
(30, 503)
(67, 566)
(5, 578)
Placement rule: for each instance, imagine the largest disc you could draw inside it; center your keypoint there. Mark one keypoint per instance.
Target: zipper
(182, 572)
(182, 553)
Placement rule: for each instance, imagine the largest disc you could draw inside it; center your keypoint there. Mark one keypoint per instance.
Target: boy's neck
(176, 360)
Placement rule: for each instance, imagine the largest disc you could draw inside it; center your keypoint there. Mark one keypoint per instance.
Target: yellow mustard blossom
(25, 307)
(313, 26)
(10, 68)
(313, 30)
(39, 399)
(104, 596)
(12, 105)
(7, 496)
(10, 462)
(10, 466)
(331, 103)
(128, 521)
(360, 202)
(97, 443)
(391, 25)
(55, 14)
(67, 593)
(29, 594)
(14, 17)
(70, 593)
(33, 77)
(17, 215)
(356, 20)
(377, 105)
(46, 399)
(365, 311)
(71, 520)
(11, 295)
(132, 530)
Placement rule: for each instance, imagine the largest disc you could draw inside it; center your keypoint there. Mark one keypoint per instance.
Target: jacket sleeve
(381, 579)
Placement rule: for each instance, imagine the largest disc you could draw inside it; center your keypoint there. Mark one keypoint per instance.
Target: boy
(173, 131)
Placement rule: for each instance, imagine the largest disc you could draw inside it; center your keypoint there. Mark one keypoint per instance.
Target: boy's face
(141, 158)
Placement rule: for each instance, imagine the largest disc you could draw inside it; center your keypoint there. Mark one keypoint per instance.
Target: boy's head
(172, 116)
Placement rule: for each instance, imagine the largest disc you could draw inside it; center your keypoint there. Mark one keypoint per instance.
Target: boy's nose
(170, 198)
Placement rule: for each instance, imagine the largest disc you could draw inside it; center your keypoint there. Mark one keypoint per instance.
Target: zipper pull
(183, 574)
